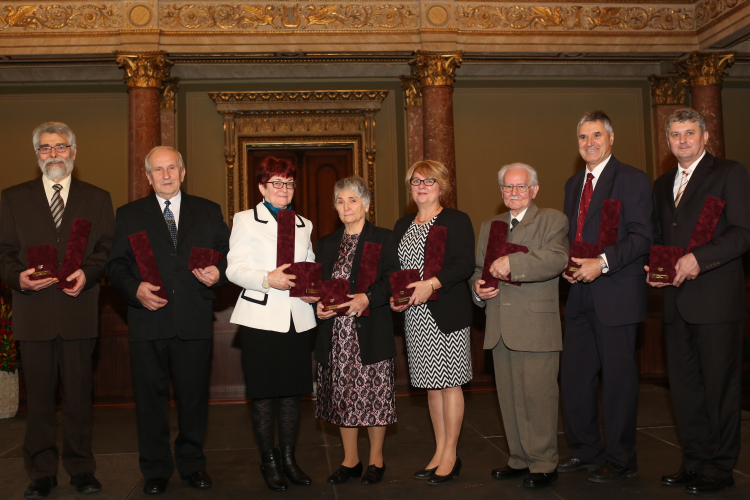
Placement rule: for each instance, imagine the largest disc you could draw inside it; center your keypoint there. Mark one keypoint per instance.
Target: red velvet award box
(201, 258)
(308, 276)
(368, 269)
(399, 280)
(79, 236)
(497, 247)
(43, 258)
(333, 293)
(661, 263)
(434, 254)
(608, 227)
(144, 259)
(285, 237)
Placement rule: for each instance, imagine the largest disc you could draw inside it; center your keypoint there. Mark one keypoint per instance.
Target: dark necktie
(57, 206)
(169, 217)
(513, 223)
(583, 208)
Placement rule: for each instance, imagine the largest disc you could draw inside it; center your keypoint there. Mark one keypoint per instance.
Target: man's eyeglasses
(60, 148)
(281, 184)
(426, 182)
(521, 188)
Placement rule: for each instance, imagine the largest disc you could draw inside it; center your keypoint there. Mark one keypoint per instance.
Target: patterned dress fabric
(436, 360)
(351, 394)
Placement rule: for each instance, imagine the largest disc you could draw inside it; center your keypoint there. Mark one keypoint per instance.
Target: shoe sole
(590, 468)
(612, 480)
(709, 492)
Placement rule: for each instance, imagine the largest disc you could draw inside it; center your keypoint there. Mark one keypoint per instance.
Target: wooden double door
(318, 170)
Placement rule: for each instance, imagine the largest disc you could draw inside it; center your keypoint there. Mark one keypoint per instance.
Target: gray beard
(56, 172)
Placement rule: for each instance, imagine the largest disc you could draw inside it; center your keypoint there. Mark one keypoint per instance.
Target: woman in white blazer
(274, 327)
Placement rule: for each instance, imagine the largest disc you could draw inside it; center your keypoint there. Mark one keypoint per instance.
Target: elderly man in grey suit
(523, 325)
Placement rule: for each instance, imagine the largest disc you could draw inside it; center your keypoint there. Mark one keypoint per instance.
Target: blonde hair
(431, 169)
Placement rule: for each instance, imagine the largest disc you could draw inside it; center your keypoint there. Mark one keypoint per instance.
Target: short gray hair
(162, 148)
(53, 128)
(596, 116)
(686, 114)
(353, 183)
(533, 178)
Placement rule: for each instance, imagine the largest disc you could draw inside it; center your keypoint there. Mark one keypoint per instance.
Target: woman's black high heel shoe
(425, 473)
(436, 479)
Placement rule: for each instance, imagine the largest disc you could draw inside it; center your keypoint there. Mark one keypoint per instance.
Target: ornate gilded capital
(169, 87)
(144, 69)
(704, 68)
(412, 91)
(667, 89)
(436, 69)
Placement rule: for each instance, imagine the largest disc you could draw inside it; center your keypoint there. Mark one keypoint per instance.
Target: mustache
(53, 171)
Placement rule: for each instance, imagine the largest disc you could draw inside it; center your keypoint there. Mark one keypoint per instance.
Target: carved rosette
(436, 69)
(704, 68)
(667, 89)
(412, 91)
(144, 69)
(169, 87)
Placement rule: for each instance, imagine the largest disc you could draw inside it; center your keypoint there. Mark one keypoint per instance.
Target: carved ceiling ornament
(412, 91)
(144, 69)
(666, 89)
(436, 69)
(169, 87)
(704, 68)
(58, 17)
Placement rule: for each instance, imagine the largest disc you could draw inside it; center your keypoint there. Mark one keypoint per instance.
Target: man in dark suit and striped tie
(57, 328)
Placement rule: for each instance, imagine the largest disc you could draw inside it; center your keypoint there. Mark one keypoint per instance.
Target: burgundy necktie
(583, 207)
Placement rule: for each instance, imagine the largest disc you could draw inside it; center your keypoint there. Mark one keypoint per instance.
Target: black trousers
(591, 348)
(151, 362)
(41, 363)
(705, 377)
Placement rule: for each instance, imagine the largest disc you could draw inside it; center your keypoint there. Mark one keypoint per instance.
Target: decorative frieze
(296, 124)
(301, 96)
(61, 17)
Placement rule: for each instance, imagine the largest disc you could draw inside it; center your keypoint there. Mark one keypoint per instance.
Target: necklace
(433, 214)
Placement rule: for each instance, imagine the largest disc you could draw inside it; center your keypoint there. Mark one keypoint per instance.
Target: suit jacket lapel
(39, 200)
(699, 175)
(187, 216)
(601, 191)
(156, 217)
(668, 192)
(520, 232)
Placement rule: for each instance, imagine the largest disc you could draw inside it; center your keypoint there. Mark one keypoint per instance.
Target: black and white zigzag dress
(436, 360)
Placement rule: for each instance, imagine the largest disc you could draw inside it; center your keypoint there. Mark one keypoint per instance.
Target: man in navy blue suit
(607, 300)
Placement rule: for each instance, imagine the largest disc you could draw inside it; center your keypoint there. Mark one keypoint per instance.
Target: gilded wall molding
(302, 96)
(412, 91)
(169, 87)
(667, 89)
(62, 17)
(704, 68)
(436, 69)
(144, 69)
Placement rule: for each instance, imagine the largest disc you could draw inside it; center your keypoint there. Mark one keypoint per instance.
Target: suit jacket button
(58, 240)
(674, 224)
(174, 255)
(176, 273)
(359, 325)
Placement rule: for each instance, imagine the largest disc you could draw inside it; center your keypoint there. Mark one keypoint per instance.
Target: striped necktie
(169, 217)
(57, 206)
(683, 185)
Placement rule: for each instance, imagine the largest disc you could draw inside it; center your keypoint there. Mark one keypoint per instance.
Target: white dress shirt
(49, 190)
(174, 206)
(689, 170)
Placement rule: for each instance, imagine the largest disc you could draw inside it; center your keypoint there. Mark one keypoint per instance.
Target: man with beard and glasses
(57, 328)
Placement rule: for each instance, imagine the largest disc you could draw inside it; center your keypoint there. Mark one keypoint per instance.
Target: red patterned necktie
(583, 207)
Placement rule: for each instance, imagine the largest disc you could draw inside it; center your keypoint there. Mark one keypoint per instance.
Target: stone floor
(233, 458)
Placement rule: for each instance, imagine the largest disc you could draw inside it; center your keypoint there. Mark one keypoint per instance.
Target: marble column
(667, 96)
(704, 72)
(169, 87)
(436, 72)
(144, 73)
(414, 124)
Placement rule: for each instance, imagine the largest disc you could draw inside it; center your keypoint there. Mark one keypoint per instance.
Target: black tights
(288, 420)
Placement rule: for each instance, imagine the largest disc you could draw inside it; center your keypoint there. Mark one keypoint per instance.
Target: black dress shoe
(611, 473)
(373, 474)
(704, 484)
(437, 479)
(540, 479)
(682, 478)
(40, 487)
(271, 470)
(199, 479)
(155, 486)
(574, 464)
(344, 473)
(425, 473)
(291, 469)
(85, 482)
(509, 472)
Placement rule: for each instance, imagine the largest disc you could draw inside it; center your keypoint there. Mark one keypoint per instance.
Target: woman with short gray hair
(356, 351)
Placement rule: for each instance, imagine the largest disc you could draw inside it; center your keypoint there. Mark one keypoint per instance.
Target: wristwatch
(603, 264)
(265, 282)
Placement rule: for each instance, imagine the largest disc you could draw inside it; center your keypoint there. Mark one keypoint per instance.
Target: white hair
(53, 128)
(533, 178)
(162, 148)
(354, 183)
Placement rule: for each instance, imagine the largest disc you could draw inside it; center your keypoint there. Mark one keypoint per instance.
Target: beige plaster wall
(536, 126)
(736, 106)
(100, 122)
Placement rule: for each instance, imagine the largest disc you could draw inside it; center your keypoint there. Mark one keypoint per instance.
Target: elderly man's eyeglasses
(426, 182)
(521, 188)
(281, 184)
(60, 148)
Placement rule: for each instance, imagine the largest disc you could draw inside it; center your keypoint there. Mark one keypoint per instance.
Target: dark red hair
(270, 166)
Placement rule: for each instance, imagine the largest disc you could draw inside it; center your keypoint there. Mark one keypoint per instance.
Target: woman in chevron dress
(437, 332)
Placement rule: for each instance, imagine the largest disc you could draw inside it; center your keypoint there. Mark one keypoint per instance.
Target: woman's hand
(401, 308)
(322, 313)
(310, 300)
(358, 304)
(423, 290)
(280, 281)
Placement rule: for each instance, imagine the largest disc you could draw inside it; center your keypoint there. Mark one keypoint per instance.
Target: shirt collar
(174, 200)
(519, 217)
(691, 168)
(597, 171)
(65, 183)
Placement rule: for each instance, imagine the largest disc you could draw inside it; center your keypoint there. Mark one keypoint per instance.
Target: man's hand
(27, 284)
(147, 298)
(687, 268)
(657, 284)
(322, 313)
(208, 276)
(485, 293)
(500, 269)
(589, 271)
(80, 283)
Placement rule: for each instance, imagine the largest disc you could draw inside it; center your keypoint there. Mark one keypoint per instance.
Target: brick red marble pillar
(667, 96)
(436, 72)
(705, 73)
(144, 72)
(168, 113)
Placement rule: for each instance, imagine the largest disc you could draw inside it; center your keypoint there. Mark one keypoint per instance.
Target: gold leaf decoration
(57, 17)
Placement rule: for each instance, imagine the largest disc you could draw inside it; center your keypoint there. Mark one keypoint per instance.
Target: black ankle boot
(271, 470)
(291, 469)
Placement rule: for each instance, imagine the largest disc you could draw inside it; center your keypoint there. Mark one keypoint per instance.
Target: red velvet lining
(434, 254)
(285, 237)
(79, 236)
(707, 222)
(144, 258)
(43, 258)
